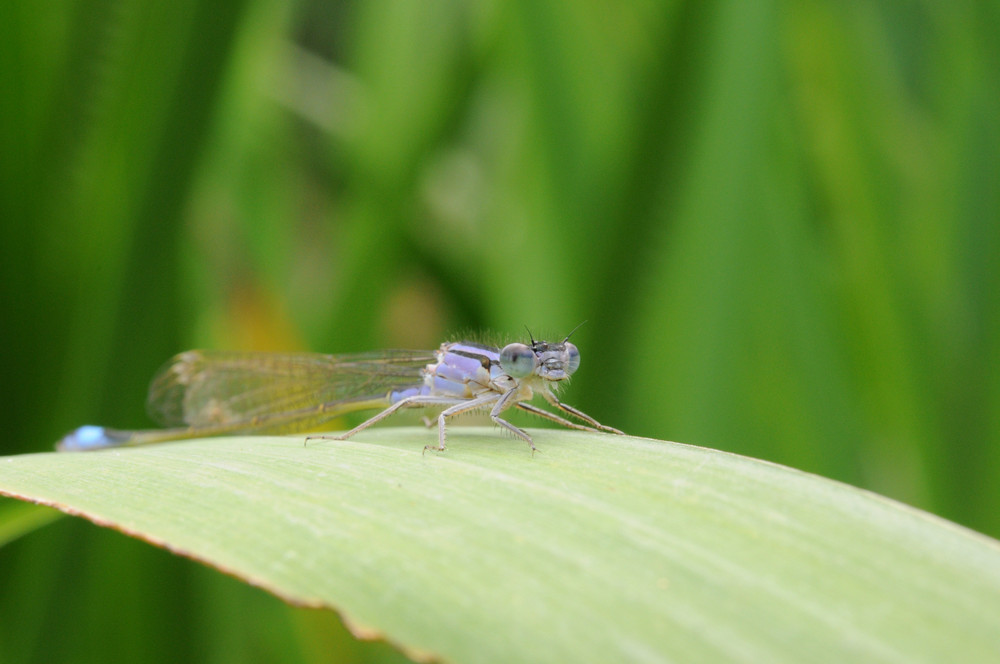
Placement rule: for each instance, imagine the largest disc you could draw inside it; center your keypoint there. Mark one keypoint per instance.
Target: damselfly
(211, 393)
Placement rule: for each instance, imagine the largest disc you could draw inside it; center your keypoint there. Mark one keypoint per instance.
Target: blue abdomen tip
(85, 438)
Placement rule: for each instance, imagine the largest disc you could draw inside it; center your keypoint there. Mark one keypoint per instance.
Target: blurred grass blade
(17, 519)
(598, 548)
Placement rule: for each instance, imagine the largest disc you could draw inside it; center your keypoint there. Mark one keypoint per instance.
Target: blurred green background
(780, 220)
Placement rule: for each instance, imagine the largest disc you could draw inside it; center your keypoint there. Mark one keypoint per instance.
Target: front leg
(552, 417)
(580, 415)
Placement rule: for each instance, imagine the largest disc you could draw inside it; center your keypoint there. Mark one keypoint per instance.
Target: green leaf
(597, 548)
(19, 519)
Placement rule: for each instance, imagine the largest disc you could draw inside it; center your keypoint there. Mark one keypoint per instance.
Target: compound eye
(517, 360)
(574, 358)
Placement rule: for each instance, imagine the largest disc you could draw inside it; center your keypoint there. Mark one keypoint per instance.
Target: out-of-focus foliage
(781, 221)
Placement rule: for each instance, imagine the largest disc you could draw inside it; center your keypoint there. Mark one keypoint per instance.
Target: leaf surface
(597, 548)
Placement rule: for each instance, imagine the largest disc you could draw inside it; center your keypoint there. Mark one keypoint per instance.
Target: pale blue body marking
(89, 437)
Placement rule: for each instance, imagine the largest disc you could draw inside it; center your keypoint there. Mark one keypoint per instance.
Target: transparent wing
(206, 389)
